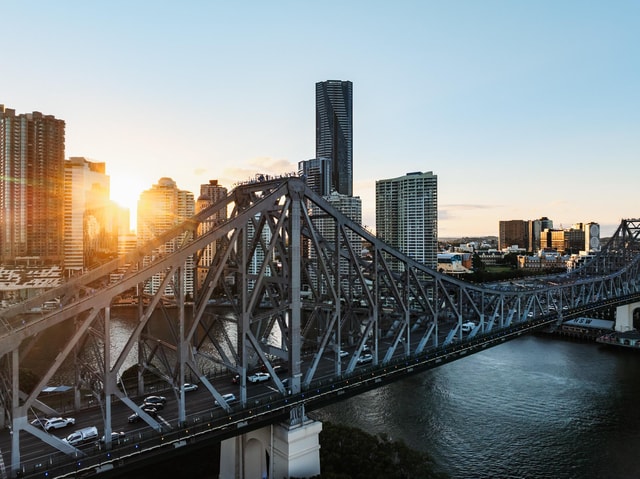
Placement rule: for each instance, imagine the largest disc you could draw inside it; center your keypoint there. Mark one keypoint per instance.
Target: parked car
(58, 423)
(82, 436)
(259, 377)
(228, 398)
(186, 387)
(365, 358)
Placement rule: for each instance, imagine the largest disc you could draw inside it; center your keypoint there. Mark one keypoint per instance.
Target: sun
(125, 191)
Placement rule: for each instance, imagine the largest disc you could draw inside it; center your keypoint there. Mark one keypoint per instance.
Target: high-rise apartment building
(90, 223)
(351, 207)
(334, 131)
(31, 186)
(210, 194)
(316, 174)
(407, 215)
(159, 209)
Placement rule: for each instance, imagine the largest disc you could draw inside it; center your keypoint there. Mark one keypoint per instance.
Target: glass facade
(334, 131)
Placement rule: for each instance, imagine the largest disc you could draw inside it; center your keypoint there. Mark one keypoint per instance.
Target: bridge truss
(280, 283)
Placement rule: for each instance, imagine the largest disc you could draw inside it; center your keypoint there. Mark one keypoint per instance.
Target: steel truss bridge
(281, 284)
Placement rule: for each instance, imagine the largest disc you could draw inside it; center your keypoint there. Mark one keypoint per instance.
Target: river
(536, 407)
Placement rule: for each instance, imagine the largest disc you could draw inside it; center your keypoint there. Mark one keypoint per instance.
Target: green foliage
(476, 263)
(349, 453)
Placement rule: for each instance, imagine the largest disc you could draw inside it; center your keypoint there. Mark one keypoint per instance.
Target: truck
(82, 436)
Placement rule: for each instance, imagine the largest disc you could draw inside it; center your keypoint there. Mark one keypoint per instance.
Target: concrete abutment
(276, 451)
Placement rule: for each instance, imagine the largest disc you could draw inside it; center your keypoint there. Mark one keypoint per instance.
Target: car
(150, 408)
(236, 379)
(39, 422)
(468, 326)
(259, 377)
(115, 437)
(186, 387)
(343, 354)
(155, 400)
(158, 406)
(228, 398)
(365, 358)
(151, 411)
(58, 423)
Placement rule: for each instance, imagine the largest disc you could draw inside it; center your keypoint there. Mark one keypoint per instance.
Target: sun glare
(126, 193)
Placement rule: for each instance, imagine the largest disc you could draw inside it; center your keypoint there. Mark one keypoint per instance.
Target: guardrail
(215, 425)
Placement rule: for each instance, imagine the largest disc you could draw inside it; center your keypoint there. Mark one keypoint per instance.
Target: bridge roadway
(207, 424)
(255, 250)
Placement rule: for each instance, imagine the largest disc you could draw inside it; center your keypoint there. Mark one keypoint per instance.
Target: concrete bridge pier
(628, 317)
(276, 451)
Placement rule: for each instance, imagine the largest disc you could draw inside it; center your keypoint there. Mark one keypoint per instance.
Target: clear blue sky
(522, 108)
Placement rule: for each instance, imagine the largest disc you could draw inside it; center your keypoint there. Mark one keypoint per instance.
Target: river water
(536, 407)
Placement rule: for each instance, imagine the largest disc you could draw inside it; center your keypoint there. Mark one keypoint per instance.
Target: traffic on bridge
(286, 314)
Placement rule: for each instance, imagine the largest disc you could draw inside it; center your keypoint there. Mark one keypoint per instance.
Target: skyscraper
(31, 186)
(90, 226)
(210, 194)
(334, 131)
(407, 215)
(159, 209)
(316, 174)
(351, 207)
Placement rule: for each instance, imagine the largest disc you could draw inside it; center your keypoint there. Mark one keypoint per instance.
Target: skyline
(522, 111)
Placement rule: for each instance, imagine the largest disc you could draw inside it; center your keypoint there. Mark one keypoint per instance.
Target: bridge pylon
(628, 317)
(288, 449)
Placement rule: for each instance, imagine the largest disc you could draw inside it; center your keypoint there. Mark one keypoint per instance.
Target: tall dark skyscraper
(334, 131)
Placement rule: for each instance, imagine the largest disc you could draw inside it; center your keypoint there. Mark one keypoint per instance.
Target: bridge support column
(628, 317)
(277, 451)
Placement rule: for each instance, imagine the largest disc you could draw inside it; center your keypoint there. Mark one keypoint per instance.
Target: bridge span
(280, 286)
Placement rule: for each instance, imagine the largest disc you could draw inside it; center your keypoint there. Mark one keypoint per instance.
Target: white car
(343, 354)
(186, 387)
(365, 358)
(58, 422)
(229, 398)
(259, 377)
(468, 326)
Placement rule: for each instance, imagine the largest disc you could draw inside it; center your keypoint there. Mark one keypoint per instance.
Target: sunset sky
(522, 109)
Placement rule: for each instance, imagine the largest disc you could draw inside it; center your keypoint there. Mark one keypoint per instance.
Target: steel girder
(285, 286)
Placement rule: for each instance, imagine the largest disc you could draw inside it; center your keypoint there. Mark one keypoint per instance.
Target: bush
(349, 453)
